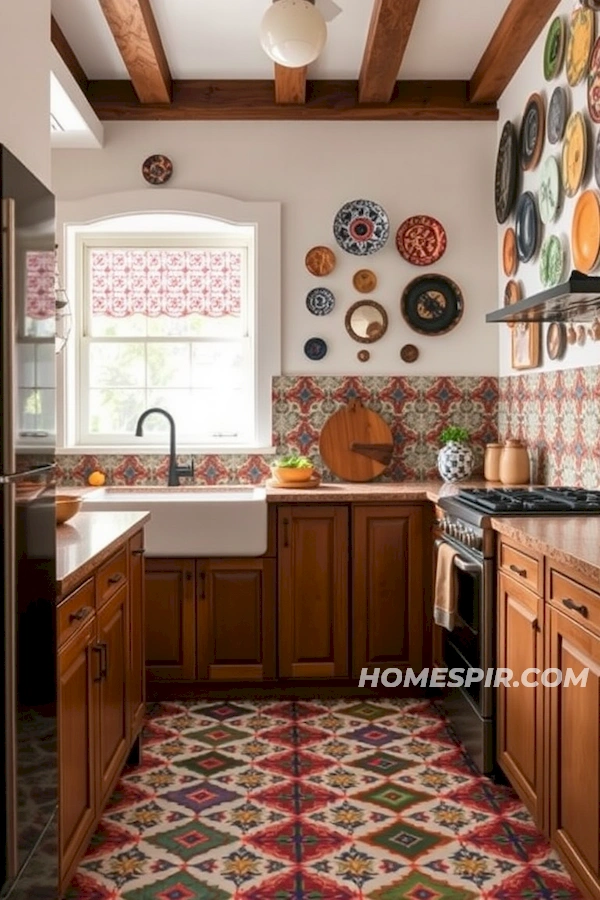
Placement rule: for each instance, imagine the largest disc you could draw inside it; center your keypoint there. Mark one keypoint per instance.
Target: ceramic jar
(455, 461)
(491, 462)
(514, 463)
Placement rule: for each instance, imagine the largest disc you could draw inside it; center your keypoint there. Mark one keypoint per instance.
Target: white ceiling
(219, 38)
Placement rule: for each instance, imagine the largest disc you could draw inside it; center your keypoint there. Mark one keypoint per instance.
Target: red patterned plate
(421, 240)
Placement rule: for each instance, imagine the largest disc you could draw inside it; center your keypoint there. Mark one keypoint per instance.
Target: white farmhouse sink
(193, 521)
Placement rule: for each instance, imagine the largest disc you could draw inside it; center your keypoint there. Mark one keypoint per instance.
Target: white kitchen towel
(445, 595)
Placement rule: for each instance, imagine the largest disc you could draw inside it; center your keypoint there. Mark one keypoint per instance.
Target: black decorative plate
(320, 301)
(558, 113)
(531, 135)
(157, 169)
(315, 348)
(361, 227)
(505, 182)
(432, 304)
(527, 227)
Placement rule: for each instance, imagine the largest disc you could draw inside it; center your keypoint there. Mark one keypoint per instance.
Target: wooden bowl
(66, 507)
(292, 476)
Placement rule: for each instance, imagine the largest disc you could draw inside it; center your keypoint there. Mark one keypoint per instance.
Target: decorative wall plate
(549, 192)
(581, 335)
(432, 304)
(320, 261)
(574, 154)
(510, 260)
(364, 281)
(505, 180)
(592, 4)
(585, 232)
(421, 240)
(554, 48)
(551, 261)
(157, 169)
(593, 94)
(366, 321)
(531, 135)
(512, 294)
(363, 356)
(315, 348)
(361, 227)
(556, 340)
(320, 301)
(558, 113)
(597, 159)
(409, 353)
(579, 44)
(527, 227)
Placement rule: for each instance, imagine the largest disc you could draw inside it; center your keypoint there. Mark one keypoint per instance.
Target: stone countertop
(383, 492)
(571, 540)
(89, 539)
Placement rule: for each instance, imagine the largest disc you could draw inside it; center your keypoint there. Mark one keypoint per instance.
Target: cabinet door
(236, 618)
(77, 743)
(113, 710)
(574, 749)
(519, 616)
(313, 591)
(387, 587)
(170, 619)
(137, 668)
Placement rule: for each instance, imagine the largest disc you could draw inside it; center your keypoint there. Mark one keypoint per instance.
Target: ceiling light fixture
(293, 32)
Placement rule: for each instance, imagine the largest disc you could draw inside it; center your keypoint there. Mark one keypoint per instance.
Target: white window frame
(78, 222)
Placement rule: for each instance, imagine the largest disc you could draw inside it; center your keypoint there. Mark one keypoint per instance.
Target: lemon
(96, 479)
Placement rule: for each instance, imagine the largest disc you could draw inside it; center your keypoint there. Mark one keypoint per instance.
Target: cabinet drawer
(75, 611)
(111, 576)
(523, 567)
(573, 599)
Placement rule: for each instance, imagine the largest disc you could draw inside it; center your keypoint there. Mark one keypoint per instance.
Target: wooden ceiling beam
(68, 56)
(516, 33)
(387, 40)
(290, 84)
(136, 33)
(337, 100)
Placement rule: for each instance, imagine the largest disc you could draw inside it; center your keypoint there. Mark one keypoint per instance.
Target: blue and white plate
(361, 227)
(320, 301)
(315, 348)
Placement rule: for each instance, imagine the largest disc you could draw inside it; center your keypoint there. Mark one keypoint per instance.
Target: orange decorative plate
(365, 281)
(512, 294)
(320, 261)
(509, 253)
(574, 154)
(585, 232)
(579, 44)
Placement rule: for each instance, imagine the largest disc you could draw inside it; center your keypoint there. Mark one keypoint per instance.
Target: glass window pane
(177, 402)
(129, 326)
(218, 366)
(168, 365)
(117, 365)
(115, 411)
(195, 326)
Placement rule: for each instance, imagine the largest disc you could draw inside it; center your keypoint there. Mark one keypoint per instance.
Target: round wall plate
(506, 176)
(320, 261)
(320, 301)
(432, 304)
(421, 240)
(364, 281)
(409, 353)
(157, 169)
(361, 227)
(556, 340)
(315, 348)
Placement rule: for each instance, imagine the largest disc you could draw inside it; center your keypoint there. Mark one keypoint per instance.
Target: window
(166, 313)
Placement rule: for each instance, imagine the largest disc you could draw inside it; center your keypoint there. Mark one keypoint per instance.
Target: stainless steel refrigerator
(28, 817)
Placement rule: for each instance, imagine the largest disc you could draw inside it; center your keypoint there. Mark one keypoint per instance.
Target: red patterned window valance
(161, 282)
(40, 275)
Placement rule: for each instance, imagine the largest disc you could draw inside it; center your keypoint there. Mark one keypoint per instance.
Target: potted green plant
(455, 458)
(293, 469)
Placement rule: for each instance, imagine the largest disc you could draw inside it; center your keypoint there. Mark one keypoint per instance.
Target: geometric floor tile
(222, 711)
(391, 797)
(406, 840)
(217, 735)
(383, 763)
(181, 886)
(200, 796)
(373, 735)
(509, 838)
(294, 840)
(421, 887)
(208, 764)
(294, 797)
(190, 840)
(368, 711)
(295, 763)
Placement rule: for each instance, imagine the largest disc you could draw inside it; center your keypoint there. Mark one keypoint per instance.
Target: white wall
(25, 82)
(530, 79)
(443, 169)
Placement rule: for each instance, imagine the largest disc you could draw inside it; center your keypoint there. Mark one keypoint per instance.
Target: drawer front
(75, 611)
(111, 576)
(574, 599)
(522, 567)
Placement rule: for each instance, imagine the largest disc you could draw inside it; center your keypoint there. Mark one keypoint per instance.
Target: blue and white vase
(455, 461)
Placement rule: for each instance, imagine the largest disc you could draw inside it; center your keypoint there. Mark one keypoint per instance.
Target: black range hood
(576, 300)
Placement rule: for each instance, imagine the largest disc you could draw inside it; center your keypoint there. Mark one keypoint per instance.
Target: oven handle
(469, 568)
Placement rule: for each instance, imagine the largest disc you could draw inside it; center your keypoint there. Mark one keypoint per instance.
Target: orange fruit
(96, 479)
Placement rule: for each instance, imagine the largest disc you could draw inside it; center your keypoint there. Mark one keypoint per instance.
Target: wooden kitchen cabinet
(170, 619)
(313, 599)
(113, 712)
(236, 619)
(137, 630)
(387, 586)
(520, 710)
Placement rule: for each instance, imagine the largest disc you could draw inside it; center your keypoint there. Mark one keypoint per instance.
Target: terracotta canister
(491, 462)
(514, 463)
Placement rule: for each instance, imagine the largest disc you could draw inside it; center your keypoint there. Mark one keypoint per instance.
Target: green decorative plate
(554, 49)
(549, 192)
(551, 261)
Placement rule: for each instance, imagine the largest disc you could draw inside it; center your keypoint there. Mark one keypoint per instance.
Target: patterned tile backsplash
(557, 414)
(417, 409)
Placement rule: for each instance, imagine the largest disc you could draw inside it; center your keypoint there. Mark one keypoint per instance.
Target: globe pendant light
(293, 32)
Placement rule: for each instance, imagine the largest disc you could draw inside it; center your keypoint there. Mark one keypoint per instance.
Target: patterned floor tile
(312, 800)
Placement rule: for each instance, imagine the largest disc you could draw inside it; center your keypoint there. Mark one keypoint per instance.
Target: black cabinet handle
(576, 607)
(116, 578)
(80, 614)
(102, 650)
(286, 537)
(521, 572)
(202, 585)
(138, 552)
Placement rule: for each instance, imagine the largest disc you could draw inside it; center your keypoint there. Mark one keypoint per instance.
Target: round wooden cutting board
(355, 443)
